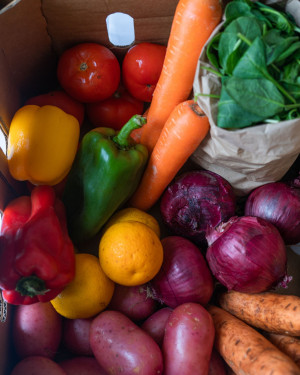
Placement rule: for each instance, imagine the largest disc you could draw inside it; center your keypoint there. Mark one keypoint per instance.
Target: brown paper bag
(248, 157)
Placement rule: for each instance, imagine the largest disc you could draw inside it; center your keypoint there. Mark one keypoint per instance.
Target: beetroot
(196, 201)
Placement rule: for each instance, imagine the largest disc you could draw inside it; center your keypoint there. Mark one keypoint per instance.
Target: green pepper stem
(31, 286)
(123, 137)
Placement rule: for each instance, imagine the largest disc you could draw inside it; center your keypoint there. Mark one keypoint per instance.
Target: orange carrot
(193, 22)
(184, 130)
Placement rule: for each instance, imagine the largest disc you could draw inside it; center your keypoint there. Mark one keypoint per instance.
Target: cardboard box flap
(71, 22)
(26, 45)
(9, 94)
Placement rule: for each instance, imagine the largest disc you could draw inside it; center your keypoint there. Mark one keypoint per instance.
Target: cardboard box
(33, 33)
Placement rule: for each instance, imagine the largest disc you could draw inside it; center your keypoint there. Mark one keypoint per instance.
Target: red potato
(37, 365)
(156, 323)
(119, 344)
(76, 336)
(82, 366)
(217, 365)
(37, 330)
(188, 341)
(133, 301)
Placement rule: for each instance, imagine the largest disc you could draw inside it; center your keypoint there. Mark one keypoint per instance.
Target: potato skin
(217, 365)
(37, 330)
(37, 365)
(82, 366)
(188, 340)
(76, 336)
(156, 323)
(133, 301)
(120, 346)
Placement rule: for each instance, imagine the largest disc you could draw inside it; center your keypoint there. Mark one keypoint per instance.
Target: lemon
(88, 294)
(130, 253)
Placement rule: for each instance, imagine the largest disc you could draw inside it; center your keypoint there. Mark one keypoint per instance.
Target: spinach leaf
(293, 89)
(253, 63)
(276, 44)
(256, 95)
(262, 18)
(231, 115)
(257, 54)
(238, 8)
(278, 18)
(230, 45)
(290, 51)
(291, 72)
(212, 51)
(235, 9)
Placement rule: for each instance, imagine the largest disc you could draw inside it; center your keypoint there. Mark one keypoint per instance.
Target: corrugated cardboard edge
(81, 25)
(26, 46)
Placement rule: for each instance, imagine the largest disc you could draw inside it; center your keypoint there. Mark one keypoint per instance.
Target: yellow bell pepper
(42, 144)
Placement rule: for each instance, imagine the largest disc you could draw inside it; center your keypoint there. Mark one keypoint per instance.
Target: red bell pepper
(37, 258)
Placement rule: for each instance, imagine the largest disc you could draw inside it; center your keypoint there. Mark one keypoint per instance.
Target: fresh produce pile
(121, 260)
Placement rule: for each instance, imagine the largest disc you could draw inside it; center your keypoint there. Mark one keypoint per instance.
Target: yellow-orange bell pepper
(42, 144)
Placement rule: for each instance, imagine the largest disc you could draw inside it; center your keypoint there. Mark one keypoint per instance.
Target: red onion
(196, 201)
(184, 275)
(247, 254)
(279, 203)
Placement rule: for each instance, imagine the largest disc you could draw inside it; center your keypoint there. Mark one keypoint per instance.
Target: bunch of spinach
(257, 56)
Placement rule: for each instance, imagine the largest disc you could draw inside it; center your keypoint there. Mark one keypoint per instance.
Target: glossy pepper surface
(104, 175)
(37, 257)
(42, 144)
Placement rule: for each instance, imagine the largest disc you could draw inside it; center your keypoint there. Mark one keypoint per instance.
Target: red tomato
(61, 100)
(89, 72)
(141, 69)
(115, 111)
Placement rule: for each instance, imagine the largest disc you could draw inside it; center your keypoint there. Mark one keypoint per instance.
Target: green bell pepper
(106, 171)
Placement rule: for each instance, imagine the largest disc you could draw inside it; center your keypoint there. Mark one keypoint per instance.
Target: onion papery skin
(279, 203)
(184, 275)
(196, 201)
(247, 254)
